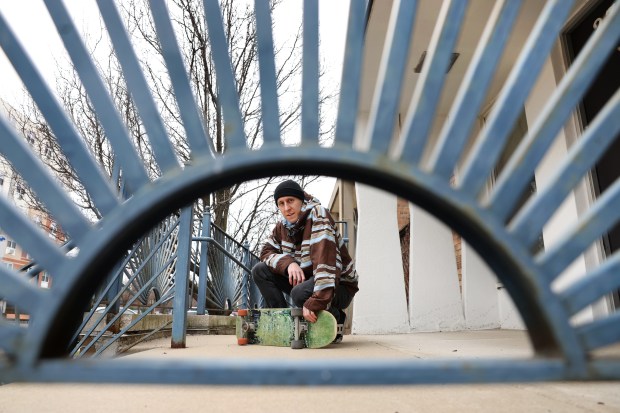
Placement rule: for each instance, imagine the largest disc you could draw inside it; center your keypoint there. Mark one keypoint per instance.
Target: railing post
(117, 273)
(245, 300)
(181, 280)
(203, 270)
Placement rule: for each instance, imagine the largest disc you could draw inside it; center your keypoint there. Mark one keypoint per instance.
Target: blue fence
(563, 351)
(217, 273)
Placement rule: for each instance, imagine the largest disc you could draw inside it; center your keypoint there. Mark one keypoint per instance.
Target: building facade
(12, 255)
(434, 280)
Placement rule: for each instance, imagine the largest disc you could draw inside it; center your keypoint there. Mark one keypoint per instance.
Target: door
(604, 86)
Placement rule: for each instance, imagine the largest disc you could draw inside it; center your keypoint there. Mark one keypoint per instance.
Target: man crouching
(306, 258)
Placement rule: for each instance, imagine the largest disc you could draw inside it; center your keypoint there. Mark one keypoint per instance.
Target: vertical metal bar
(193, 258)
(203, 271)
(245, 299)
(390, 79)
(520, 168)
(310, 73)
(228, 97)
(345, 238)
(68, 138)
(179, 305)
(472, 92)
(348, 102)
(116, 132)
(18, 315)
(197, 137)
(268, 80)
(426, 96)
(509, 105)
(115, 288)
(138, 86)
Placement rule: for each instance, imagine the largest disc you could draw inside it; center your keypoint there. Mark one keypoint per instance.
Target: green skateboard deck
(284, 327)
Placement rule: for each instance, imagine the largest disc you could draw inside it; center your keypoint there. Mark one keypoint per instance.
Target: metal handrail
(215, 243)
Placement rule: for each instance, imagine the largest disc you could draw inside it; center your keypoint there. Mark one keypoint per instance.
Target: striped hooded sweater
(315, 243)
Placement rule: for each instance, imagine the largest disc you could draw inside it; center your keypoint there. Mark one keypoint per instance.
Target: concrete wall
(479, 291)
(434, 295)
(380, 305)
(435, 300)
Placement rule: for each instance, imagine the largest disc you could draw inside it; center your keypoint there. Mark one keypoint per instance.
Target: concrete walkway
(537, 397)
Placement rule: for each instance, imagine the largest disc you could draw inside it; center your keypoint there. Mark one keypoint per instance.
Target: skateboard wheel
(242, 312)
(297, 344)
(242, 341)
(297, 312)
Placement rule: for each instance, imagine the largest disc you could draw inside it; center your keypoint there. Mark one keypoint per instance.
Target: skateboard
(284, 327)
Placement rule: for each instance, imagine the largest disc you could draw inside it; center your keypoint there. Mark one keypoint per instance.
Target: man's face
(290, 207)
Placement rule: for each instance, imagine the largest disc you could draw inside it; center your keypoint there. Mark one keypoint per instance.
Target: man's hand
(295, 274)
(309, 315)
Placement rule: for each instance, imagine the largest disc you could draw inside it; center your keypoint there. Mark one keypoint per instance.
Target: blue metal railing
(396, 164)
(227, 277)
(216, 268)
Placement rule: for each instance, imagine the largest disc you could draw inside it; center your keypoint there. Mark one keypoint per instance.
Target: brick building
(12, 255)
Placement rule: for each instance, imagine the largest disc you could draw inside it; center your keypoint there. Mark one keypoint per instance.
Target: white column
(509, 316)
(435, 302)
(479, 291)
(380, 305)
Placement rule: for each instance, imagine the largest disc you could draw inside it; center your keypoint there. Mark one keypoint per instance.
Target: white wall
(380, 305)
(479, 291)
(434, 295)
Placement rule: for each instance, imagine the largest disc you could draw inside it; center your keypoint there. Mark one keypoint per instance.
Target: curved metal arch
(562, 351)
(549, 331)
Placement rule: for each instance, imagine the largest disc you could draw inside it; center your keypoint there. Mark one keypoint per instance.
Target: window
(9, 265)
(10, 247)
(20, 191)
(45, 280)
(53, 230)
(30, 138)
(1, 180)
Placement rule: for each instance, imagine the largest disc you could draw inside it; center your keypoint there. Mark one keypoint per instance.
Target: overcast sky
(30, 21)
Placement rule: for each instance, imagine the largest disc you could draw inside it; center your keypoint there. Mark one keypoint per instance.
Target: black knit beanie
(288, 188)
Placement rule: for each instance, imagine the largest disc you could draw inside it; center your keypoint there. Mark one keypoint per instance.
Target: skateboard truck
(248, 327)
(301, 327)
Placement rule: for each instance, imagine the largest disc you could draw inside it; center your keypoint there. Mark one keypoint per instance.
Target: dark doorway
(607, 82)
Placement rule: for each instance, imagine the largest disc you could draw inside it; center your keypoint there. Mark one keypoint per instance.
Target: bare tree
(253, 213)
